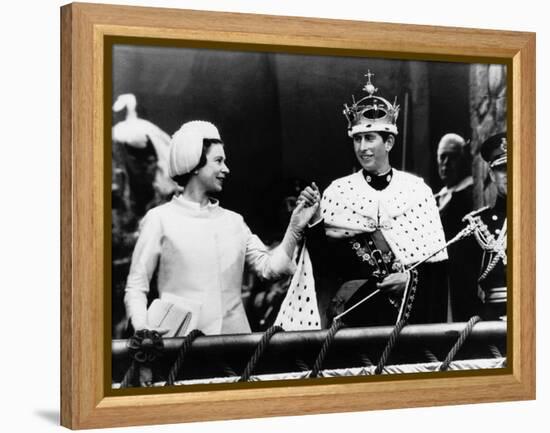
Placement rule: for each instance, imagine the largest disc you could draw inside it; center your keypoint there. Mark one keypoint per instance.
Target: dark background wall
(280, 115)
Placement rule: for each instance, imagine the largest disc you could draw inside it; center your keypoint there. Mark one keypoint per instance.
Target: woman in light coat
(200, 248)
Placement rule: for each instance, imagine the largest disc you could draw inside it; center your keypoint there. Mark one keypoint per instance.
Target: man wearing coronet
(377, 232)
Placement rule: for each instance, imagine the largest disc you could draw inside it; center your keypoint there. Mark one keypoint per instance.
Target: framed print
(310, 214)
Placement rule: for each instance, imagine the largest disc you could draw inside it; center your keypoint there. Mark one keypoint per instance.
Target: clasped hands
(306, 210)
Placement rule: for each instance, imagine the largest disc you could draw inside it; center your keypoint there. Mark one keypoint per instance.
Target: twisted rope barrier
(336, 325)
(461, 339)
(264, 342)
(182, 352)
(389, 346)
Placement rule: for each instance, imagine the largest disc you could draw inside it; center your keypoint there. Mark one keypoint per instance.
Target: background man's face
(450, 162)
(500, 178)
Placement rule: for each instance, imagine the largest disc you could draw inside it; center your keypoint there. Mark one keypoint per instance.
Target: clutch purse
(171, 316)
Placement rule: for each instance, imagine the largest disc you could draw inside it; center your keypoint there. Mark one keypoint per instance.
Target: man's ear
(389, 142)
(492, 175)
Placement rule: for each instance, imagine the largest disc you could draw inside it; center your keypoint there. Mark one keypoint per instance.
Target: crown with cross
(371, 113)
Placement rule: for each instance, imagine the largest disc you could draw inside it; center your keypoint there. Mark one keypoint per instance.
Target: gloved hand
(298, 221)
(301, 216)
(161, 331)
(311, 196)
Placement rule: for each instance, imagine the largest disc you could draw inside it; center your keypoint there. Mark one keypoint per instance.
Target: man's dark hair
(385, 135)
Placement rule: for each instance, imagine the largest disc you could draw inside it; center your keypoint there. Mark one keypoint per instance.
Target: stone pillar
(488, 111)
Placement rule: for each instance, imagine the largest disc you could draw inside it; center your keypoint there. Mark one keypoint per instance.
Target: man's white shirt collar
(443, 197)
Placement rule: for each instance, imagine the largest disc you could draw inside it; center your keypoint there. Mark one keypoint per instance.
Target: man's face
(372, 151)
(500, 178)
(450, 162)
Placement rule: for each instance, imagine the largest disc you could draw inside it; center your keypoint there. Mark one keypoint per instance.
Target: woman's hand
(393, 284)
(301, 215)
(311, 197)
(306, 210)
(161, 331)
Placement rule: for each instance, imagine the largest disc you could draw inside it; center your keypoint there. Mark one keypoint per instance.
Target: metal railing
(229, 355)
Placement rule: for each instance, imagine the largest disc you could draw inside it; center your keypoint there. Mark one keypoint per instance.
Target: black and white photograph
(176, 203)
(283, 216)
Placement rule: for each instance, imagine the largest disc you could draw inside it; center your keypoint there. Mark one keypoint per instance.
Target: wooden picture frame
(85, 402)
